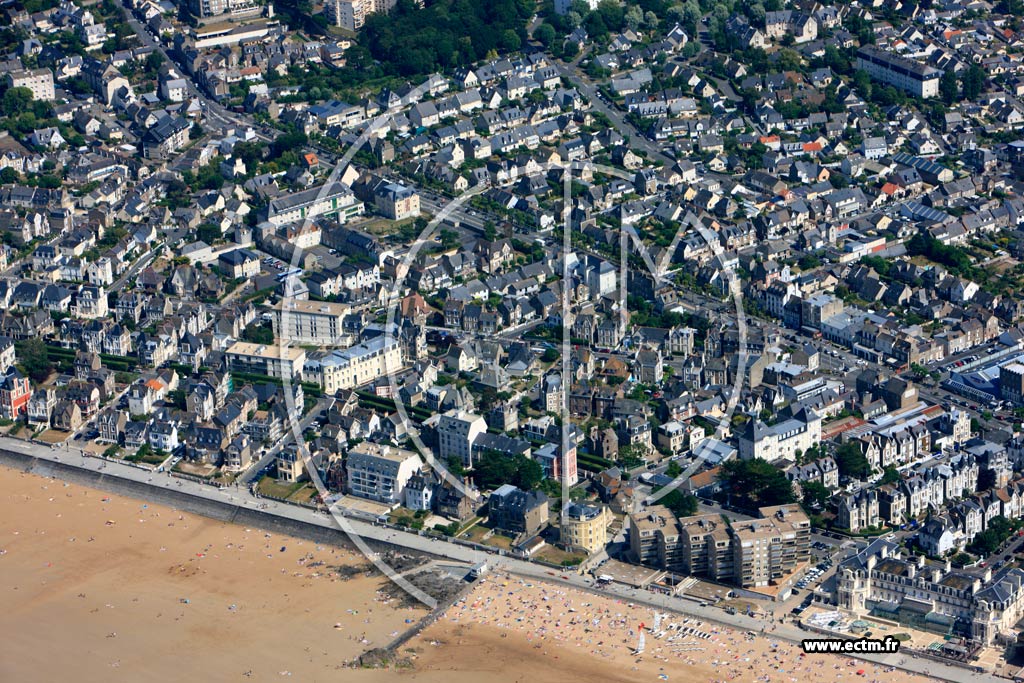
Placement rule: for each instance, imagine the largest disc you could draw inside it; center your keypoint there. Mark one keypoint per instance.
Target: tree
(634, 17)
(973, 81)
(35, 361)
(809, 262)
(674, 469)
(816, 495)
(756, 483)
(493, 469)
(681, 504)
(949, 89)
(545, 34)
(258, 334)
(208, 232)
(890, 476)
(550, 355)
(154, 61)
(862, 83)
(16, 101)
(851, 461)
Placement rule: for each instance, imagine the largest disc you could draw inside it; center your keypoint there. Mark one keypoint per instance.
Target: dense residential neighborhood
(702, 295)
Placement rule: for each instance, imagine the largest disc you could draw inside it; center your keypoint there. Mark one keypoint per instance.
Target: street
(383, 535)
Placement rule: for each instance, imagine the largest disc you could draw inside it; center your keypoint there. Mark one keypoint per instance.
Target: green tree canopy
(35, 362)
(493, 469)
(755, 483)
(851, 461)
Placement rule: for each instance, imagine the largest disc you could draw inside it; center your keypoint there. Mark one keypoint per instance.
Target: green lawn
(269, 486)
(555, 555)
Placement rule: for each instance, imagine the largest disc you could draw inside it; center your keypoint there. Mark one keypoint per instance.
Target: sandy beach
(104, 588)
(513, 629)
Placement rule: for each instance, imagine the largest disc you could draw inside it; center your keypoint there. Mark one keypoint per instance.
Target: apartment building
(335, 199)
(1011, 383)
(205, 9)
(879, 581)
(397, 202)
(785, 439)
(379, 472)
(356, 366)
(751, 553)
(584, 527)
(456, 432)
(310, 322)
(39, 81)
(266, 359)
(905, 74)
(351, 14)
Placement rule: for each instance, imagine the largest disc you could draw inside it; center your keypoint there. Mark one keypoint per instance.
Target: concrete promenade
(238, 506)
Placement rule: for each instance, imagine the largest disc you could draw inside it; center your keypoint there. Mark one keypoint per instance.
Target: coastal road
(123, 472)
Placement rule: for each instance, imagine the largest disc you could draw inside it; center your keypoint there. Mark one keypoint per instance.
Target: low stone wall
(327, 533)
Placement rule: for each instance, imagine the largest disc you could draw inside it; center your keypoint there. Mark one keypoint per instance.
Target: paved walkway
(72, 456)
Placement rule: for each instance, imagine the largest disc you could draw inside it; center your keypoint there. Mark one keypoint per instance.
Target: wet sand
(104, 588)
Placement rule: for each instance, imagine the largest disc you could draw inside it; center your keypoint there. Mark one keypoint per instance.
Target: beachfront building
(584, 527)
(879, 581)
(15, 394)
(380, 473)
(751, 553)
(518, 512)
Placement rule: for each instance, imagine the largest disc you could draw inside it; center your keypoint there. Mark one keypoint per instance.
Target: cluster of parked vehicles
(814, 574)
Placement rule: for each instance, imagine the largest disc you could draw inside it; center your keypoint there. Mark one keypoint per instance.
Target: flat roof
(303, 306)
(266, 351)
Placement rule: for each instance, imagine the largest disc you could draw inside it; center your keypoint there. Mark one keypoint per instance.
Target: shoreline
(302, 523)
(105, 587)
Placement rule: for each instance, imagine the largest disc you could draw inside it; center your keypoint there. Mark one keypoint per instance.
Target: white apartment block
(380, 473)
(358, 365)
(333, 200)
(39, 81)
(266, 359)
(456, 432)
(905, 74)
(351, 14)
(310, 322)
(781, 440)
